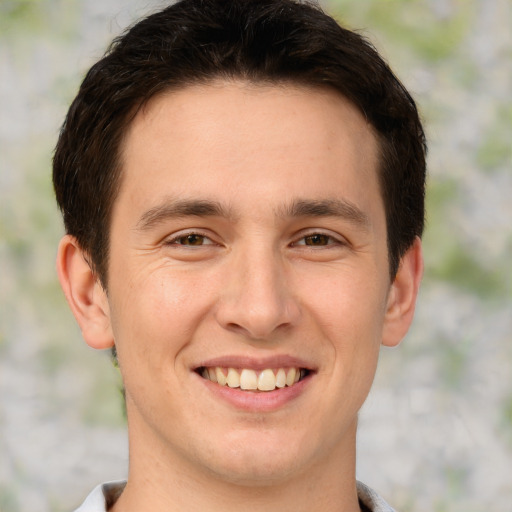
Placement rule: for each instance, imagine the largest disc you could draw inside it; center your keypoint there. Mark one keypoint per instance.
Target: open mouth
(250, 380)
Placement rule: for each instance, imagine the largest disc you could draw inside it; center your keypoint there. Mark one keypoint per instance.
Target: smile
(250, 380)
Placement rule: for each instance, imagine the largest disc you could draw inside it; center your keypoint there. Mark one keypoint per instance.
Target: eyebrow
(340, 208)
(176, 208)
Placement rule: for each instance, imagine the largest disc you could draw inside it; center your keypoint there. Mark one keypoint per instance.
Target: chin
(252, 464)
(256, 473)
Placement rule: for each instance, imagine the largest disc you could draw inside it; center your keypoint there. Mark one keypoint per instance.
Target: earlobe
(402, 296)
(84, 293)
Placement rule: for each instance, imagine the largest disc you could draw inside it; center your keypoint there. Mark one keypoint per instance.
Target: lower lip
(254, 401)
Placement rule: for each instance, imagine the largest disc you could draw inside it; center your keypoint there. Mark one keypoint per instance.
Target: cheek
(347, 299)
(156, 315)
(349, 310)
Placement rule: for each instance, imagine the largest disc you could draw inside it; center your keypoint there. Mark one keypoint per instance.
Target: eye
(191, 240)
(317, 240)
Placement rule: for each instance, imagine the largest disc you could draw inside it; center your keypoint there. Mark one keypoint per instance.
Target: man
(242, 188)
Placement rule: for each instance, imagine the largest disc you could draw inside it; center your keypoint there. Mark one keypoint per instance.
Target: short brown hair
(196, 41)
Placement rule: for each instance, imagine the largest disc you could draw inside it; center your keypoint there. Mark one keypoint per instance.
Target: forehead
(235, 104)
(238, 137)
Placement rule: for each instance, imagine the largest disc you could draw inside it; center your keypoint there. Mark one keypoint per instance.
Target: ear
(402, 296)
(84, 293)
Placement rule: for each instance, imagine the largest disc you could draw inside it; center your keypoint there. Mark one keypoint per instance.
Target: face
(248, 245)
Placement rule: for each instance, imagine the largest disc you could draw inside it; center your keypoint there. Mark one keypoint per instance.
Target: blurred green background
(436, 431)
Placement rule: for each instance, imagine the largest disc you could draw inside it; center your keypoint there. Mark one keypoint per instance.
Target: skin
(248, 284)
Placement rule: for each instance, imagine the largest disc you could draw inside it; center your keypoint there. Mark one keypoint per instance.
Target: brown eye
(317, 240)
(191, 239)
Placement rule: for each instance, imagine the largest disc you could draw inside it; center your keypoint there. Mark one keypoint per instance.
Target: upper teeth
(265, 380)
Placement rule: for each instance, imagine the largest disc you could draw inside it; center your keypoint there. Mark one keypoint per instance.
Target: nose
(257, 300)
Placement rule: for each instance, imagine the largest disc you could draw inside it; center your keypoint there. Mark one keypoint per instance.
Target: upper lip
(255, 363)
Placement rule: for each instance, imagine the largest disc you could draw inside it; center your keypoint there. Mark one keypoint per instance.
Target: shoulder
(102, 497)
(371, 500)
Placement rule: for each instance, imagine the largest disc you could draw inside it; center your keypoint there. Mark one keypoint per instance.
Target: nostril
(256, 304)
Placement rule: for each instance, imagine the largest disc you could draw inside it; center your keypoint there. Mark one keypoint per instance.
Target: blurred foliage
(453, 363)
(461, 269)
(17, 17)
(105, 404)
(448, 259)
(456, 479)
(8, 500)
(19, 14)
(506, 420)
(428, 31)
(495, 150)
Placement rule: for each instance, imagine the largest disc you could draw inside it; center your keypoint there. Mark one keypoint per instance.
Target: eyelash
(175, 240)
(330, 239)
(300, 242)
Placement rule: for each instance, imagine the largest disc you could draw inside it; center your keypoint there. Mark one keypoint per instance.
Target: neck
(161, 481)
